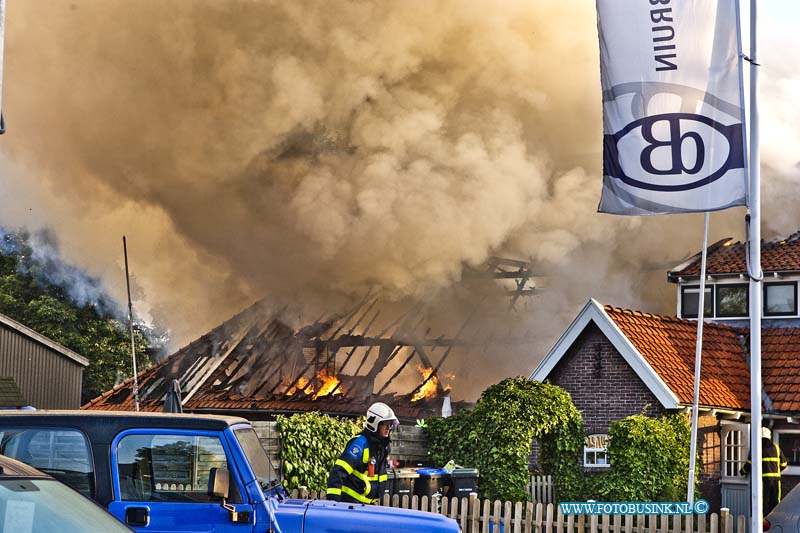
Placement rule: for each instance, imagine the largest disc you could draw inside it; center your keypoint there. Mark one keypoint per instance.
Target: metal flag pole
(130, 324)
(2, 51)
(698, 355)
(754, 272)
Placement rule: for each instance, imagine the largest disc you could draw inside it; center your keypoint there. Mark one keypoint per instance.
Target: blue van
(163, 472)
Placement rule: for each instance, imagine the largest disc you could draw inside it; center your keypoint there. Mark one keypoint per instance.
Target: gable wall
(605, 388)
(602, 384)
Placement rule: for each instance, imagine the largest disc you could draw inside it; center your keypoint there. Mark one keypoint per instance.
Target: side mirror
(219, 480)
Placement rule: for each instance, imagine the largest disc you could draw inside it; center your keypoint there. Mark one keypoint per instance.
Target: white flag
(673, 112)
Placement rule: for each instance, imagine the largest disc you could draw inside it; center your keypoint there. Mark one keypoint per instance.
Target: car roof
(112, 422)
(12, 468)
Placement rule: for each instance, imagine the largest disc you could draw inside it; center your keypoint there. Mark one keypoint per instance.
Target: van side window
(62, 453)
(169, 468)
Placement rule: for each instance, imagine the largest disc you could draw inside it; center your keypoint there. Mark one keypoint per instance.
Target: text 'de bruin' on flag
(673, 119)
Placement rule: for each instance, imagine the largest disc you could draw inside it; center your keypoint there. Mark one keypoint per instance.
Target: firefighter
(772, 463)
(359, 473)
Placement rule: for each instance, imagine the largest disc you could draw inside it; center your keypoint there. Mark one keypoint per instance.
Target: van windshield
(258, 458)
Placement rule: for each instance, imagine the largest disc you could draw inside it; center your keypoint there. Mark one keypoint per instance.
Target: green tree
(59, 301)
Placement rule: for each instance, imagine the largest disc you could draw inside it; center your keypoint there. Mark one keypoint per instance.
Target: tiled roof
(668, 346)
(780, 367)
(728, 257)
(206, 402)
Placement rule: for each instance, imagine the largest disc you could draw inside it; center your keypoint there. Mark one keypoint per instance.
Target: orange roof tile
(668, 346)
(780, 367)
(727, 257)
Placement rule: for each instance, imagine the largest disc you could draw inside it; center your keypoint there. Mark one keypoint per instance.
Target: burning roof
(258, 362)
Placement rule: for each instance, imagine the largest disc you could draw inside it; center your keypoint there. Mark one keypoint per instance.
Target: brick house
(616, 363)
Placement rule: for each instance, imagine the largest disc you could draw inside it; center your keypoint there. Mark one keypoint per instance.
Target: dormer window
(780, 299)
(732, 300)
(690, 300)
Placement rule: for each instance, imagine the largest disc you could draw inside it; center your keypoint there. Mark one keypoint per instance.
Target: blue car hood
(323, 516)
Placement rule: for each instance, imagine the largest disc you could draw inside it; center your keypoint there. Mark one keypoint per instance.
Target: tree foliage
(496, 437)
(311, 443)
(59, 301)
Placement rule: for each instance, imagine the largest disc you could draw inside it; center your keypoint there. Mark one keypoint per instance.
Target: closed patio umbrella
(172, 400)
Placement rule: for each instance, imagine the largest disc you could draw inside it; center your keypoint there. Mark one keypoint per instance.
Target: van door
(161, 483)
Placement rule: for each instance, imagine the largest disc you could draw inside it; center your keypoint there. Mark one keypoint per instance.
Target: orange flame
(302, 383)
(430, 388)
(328, 384)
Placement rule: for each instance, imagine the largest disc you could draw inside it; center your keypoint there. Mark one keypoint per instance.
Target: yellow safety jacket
(772, 463)
(359, 473)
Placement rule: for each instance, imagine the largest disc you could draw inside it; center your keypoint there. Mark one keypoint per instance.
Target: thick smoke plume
(308, 149)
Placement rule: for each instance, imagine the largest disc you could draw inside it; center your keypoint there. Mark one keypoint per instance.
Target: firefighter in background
(772, 463)
(359, 473)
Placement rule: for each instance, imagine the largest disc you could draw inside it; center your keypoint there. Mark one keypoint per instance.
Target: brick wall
(602, 384)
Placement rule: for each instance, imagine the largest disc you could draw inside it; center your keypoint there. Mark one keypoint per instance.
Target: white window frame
(791, 470)
(592, 451)
(743, 447)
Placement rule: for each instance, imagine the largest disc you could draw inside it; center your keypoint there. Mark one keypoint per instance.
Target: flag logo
(673, 133)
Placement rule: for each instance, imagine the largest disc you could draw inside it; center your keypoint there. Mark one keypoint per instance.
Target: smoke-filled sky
(307, 150)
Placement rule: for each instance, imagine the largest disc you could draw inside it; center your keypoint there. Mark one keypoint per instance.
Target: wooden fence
(540, 490)
(483, 516)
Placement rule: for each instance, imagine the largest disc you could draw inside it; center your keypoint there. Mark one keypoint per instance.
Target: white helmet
(766, 433)
(379, 412)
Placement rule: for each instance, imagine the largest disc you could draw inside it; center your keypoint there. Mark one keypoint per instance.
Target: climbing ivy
(649, 460)
(311, 443)
(496, 437)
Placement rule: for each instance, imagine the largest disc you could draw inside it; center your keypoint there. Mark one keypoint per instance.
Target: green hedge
(649, 460)
(496, 437)
(311, 443)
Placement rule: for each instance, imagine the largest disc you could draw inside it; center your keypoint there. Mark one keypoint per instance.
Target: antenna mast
(130, 324)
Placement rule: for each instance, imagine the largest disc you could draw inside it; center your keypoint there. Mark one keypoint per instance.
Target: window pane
(732, 300)
(732, 453)
(167, 467)
(779, 299)
(790, 446)
(689, 301)
(62, 453)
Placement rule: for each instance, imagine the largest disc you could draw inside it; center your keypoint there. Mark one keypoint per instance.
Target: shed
(46, 374)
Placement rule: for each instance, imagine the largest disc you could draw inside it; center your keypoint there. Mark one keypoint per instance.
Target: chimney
(446, 409)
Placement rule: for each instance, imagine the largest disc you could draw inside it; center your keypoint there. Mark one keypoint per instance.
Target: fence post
(303, 492)
(464, 508)
(518, 517)
(724, 518)
(741, 524)
(714, 523)
(548, 525)
(486, 513)
(475, 510)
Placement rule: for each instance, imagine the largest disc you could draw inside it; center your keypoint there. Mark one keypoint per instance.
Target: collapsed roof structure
(258, 364)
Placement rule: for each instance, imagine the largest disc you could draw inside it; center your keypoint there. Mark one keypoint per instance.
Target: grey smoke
(309, 150)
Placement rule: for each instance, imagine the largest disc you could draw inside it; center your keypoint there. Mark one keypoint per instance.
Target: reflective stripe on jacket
(350, 475)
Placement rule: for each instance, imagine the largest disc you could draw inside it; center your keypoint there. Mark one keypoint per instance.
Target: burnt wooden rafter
(499, 268)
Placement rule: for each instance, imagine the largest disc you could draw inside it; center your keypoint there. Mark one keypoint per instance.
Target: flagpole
(698, 355)
(755, 275)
